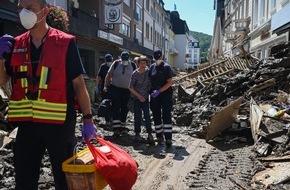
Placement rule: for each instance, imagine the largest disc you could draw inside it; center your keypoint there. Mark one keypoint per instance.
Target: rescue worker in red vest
(161, 98)
(46, 74)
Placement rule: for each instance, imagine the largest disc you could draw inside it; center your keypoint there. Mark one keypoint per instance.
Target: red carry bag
(115, 165)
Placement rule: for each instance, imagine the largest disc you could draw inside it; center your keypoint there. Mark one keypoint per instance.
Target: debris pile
(255, 99)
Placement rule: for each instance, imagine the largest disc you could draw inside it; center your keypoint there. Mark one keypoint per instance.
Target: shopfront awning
(135, 53)
(280, 22)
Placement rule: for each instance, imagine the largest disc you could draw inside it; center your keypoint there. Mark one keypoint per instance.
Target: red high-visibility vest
(42, 98)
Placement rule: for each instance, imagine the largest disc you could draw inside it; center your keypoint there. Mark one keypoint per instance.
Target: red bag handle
(97, 154)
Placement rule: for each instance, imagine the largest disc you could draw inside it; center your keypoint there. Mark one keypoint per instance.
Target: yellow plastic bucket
(82, 176)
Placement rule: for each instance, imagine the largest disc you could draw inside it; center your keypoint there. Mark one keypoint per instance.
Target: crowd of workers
(150, 88)
(46, 74)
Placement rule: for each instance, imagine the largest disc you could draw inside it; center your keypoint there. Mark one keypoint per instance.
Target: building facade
(144, 26)
(181, 49)
(254, 25)
(192, 53)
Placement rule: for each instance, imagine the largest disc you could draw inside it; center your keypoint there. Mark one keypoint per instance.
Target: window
(152, 12)
(125, 27)
(127, 2)
(147, 4)
(269, 51)
(139, 35)
(147, 30)
(139, 11)
(157, 18)
(262, 9)
(247, 8)
(151, 34)
(272, 4)
(259, 54)
(255, 13)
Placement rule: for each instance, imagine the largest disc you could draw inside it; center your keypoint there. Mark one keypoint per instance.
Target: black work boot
(160, 138)
(168, 142)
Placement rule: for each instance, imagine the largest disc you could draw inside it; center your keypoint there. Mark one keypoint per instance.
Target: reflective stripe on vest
(43, 78)
(37, 110)
(21, 108)
(24, 82)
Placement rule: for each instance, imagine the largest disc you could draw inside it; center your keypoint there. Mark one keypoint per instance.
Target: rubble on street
(256, 98)
(240, 103)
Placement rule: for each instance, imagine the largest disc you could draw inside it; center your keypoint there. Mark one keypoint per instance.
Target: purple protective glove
(155, 93)
(88, 131)
(5, 44)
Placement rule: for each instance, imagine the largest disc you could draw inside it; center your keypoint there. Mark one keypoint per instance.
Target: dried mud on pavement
(190, 163)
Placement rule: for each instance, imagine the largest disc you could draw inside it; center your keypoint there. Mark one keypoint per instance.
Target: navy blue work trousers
(161, 108)
(138, 108)
(32, 141)
(120, 98)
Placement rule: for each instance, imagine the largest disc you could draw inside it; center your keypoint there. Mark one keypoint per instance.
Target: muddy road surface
(190, 163)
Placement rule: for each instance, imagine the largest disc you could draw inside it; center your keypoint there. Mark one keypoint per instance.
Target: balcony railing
(242, 25)
(83, 23)
(231, 36)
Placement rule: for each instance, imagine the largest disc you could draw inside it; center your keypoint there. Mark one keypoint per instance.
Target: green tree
(204, 43)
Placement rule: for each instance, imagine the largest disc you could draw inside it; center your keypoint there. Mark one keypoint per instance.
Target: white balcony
(231, 36)
(242, 26)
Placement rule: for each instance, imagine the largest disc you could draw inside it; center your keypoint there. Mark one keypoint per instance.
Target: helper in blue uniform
(161, 98)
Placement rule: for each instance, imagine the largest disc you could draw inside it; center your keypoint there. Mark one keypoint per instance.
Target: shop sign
(115, 39)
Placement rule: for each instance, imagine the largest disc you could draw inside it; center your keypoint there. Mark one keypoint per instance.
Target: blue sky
(198, 14)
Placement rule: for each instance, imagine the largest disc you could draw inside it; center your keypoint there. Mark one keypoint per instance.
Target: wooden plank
(223, 119)
(274, 158)
(255, 119)
(262, 86)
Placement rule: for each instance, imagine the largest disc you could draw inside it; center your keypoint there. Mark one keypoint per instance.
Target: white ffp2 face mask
(28, 18)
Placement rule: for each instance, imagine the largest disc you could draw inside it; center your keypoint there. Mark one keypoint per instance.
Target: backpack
(105, 108)
(116, 63)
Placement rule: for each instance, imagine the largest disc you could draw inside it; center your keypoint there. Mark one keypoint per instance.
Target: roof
(179, 26)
